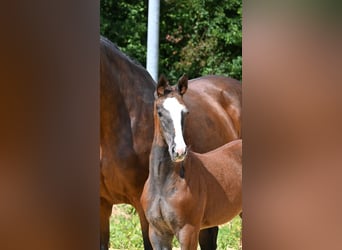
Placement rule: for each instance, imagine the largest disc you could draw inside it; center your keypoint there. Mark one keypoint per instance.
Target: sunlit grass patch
(125, 231)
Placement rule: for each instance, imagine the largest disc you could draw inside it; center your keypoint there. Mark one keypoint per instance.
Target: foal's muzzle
(178, 154)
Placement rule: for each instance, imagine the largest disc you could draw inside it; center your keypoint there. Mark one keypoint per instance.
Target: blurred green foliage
(197, 37)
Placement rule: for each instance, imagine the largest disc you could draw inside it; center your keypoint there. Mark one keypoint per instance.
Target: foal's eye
(160, 113)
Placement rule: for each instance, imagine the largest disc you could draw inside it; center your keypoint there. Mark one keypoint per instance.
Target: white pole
(153, 39)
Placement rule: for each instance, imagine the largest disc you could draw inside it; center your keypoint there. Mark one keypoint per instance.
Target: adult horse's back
(127, 130)
(215, 112)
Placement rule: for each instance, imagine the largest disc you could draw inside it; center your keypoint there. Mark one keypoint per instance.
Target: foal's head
(169, 115)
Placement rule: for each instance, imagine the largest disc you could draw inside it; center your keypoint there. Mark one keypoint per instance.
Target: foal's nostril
(180, 151)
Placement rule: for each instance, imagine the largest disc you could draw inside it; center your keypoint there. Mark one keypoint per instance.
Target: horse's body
(206, 194)
(127, 130)
(182, 196)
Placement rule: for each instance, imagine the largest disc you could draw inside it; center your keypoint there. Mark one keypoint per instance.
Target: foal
(187, 191)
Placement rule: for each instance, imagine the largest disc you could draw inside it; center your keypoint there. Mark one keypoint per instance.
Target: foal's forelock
(176, 110)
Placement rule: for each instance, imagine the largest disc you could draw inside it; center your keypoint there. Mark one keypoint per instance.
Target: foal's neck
(162, 168)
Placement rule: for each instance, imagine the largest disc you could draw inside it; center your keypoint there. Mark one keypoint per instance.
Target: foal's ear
(162, 84)
(183, 84)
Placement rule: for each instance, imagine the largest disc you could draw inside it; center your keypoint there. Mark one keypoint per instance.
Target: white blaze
(175, 108)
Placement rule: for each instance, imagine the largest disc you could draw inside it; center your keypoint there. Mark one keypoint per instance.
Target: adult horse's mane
(114, 47)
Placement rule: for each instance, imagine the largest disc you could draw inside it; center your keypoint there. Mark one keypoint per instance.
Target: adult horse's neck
(126, 100)
(134, 82)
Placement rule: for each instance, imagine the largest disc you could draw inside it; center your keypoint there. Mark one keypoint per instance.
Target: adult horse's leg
(240, 247)
(105, 212)
(208, 238)
(144, 227)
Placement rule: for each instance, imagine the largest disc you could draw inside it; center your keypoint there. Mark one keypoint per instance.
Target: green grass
(125, 232)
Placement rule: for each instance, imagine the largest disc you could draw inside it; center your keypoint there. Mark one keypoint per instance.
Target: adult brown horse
(187, 191)
(127, 130)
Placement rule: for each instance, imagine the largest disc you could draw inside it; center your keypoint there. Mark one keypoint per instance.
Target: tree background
(197, 37)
